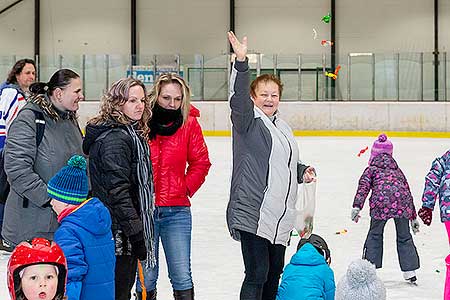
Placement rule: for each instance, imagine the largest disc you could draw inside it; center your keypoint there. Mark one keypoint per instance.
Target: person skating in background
(84, 234)
(121, 176)
(180, 162)
(308, 275)
(360, 282)
(390, 199)
(437, 186)
(30, 162)
(37, 271)
(13, 94)
(265, 177)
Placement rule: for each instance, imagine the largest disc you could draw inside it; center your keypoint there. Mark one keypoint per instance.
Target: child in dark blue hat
(84, 235)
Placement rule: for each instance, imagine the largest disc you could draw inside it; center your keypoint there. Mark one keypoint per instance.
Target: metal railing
(363, 76)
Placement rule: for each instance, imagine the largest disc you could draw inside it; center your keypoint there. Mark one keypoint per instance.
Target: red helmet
(40, 251)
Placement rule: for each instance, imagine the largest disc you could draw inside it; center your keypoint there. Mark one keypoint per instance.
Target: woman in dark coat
(120, 170)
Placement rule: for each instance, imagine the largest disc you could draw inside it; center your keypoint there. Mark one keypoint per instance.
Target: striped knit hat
(70, 184)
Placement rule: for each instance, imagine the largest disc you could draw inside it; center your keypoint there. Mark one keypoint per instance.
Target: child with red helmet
(37, 270)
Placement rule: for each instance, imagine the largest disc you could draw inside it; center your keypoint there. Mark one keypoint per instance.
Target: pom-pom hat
(381, 145)
(70, 184)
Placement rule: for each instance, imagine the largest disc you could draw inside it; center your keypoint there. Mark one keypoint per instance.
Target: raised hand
(239, 48)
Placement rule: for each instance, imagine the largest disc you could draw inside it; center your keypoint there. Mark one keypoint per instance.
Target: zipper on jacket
(267, 182)
(288, 190)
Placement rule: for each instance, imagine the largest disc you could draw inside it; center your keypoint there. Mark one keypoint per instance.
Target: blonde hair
(167, 78)
(115, 98)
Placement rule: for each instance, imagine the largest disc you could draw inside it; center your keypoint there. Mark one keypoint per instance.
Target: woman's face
(39, 282)
(267, 97)
(135, 105)
(26, 77)
(170, 96)
(67, 99)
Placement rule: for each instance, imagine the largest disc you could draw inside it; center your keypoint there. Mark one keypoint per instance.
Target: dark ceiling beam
(10, 6)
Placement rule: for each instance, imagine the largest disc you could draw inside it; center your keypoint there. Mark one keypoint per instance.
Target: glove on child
(355, 214)
(426, 215)
(415, 226)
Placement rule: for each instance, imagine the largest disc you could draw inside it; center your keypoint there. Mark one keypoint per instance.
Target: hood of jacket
(93, 216)
(194, 112)
(94, 131)
(308, 256)
(384, 161)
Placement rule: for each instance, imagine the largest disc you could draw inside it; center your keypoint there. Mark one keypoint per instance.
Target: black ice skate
(4, 246)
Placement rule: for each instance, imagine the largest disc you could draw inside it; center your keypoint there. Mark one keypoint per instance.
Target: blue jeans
(173, 225)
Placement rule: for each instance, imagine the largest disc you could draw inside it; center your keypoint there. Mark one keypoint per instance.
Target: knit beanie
(70, 184)
(381, 145)
(360, 283)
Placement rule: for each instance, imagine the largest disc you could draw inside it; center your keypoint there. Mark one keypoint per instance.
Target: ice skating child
(437, 185)
(308, 275)
(37, 271)
(84, 235)
(360, 282)
(390, 198)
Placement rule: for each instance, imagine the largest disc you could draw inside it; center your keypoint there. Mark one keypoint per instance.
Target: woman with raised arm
(266, 172)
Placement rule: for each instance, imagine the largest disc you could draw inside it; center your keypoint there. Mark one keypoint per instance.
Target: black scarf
(165, 121)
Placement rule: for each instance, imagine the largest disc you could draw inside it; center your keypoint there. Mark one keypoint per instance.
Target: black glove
(138, 249)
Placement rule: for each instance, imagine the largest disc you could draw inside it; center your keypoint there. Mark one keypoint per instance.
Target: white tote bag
(305, 207)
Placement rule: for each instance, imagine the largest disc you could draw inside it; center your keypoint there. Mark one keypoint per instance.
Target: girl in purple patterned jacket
(390, 198)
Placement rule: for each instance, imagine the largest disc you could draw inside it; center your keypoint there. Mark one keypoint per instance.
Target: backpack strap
(40, 126)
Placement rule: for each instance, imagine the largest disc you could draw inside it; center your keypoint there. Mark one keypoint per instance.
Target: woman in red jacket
(176, 142)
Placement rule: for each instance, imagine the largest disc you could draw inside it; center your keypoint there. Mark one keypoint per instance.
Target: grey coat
(266, 167)
(28, 213)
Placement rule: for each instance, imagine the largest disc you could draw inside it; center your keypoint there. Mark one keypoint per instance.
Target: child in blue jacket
(84, 235)
(308, 275)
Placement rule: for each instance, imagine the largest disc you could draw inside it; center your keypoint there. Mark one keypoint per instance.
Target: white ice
(217, 265)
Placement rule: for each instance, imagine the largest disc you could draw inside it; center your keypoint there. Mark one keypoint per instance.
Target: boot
(184, 295)
(151, 295)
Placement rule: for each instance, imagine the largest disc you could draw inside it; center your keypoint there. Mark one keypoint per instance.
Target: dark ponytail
(60, 79)
(38, 88)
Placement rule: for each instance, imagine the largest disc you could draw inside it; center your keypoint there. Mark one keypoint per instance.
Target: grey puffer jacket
(28, 213)
(266, 167)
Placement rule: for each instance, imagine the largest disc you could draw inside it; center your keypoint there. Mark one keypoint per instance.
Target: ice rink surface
(217, 265)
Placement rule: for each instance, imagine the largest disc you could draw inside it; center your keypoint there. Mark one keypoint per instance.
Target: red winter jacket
(170, 155)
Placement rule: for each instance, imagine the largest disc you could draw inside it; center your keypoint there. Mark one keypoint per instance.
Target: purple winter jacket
(391, 196)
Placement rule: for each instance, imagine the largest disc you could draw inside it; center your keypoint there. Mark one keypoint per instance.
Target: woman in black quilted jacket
(121, 177)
